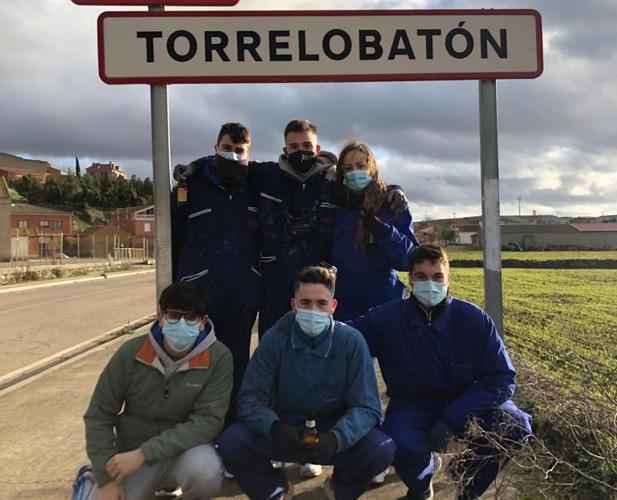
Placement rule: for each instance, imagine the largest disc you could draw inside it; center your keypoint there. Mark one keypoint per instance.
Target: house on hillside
(13, 168)
(106, 169)
(599, 236)
(138, 221)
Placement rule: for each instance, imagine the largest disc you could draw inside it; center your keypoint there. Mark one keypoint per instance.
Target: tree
(53, 191)
(29, 188)
(449, 234)
(77, 167)
(148, 189)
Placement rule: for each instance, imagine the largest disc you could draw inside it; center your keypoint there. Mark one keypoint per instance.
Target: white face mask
(429, 293)
(312, 323)
(230, 155)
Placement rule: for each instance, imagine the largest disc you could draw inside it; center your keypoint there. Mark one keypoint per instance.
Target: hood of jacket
(325, 160)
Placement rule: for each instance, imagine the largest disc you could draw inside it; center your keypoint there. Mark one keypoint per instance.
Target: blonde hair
(375, 193)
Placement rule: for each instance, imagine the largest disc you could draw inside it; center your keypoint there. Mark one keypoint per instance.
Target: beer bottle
(182, 193)
(310, 435)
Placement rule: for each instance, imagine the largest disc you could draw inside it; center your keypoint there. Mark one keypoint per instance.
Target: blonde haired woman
(370, 243)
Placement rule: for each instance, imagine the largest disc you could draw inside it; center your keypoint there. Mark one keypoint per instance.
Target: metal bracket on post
(491, 230)
(159, 107)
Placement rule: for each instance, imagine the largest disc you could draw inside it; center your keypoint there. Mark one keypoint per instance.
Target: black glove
(183, 172)
(323, 450)
(373, 224)
(397, 200)
(440, 435)
(288, 438)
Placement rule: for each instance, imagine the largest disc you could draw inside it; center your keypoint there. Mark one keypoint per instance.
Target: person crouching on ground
(445, 366)
(159, 403)
(306, 364)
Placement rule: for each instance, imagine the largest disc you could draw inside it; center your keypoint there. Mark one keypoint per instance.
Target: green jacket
(133, 406)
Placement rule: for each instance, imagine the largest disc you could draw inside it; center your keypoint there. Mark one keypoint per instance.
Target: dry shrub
(572, 453)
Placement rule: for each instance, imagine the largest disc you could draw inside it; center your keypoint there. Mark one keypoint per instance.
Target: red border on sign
(170, 3)
(322, 78)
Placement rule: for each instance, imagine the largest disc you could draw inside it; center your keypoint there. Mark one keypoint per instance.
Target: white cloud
(558, 133)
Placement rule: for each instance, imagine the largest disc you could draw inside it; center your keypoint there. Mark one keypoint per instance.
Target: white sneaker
(381, 477)
(310, 470)
(285, 493)
(277, 465)
(228, 475)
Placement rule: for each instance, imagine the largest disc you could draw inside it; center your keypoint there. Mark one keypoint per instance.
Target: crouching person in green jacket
(159, 404)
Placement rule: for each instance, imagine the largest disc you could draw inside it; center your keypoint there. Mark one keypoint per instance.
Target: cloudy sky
(557, 133)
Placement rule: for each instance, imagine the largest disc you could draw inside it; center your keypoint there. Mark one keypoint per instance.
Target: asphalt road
(39, 322)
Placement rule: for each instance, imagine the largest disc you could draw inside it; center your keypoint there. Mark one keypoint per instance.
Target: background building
(106, 169)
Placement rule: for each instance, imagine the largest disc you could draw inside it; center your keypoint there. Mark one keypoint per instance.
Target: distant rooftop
(596, 227)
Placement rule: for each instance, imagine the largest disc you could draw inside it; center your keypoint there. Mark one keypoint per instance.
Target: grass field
(538, 256)
(564, 321)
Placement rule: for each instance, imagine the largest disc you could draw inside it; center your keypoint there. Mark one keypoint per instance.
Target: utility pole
(520, 198)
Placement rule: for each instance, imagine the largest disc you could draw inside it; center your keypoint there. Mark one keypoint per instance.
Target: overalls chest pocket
(201, 223)
(462, 372)
(332, 385)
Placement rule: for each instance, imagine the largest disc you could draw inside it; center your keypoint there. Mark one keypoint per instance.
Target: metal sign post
(161, 159)
(489, 173)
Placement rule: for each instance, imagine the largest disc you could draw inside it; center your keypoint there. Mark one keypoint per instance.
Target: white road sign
(296, 46)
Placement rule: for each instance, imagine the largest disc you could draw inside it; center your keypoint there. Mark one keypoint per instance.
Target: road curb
(40, 366)
(69, 281)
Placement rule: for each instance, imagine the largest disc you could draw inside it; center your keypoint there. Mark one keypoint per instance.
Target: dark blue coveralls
(296, 221)
(368, 279)
(214, 242)
(452, 367)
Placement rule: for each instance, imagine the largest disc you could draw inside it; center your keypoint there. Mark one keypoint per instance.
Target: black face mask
(230, 172)
(302, 161)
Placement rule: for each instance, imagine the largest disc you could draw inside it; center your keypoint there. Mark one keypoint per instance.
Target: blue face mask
(312, 323)
(357, 180)
(429, 293)
(180, 336)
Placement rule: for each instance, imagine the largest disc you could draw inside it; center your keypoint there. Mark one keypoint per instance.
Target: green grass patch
(563, 321)
(16, 197)
(538, 256)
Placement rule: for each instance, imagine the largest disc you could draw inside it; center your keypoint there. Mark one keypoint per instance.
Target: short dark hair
(433, 253)
(299, 125)
(237, 132)
(318, 275)
(185, 296)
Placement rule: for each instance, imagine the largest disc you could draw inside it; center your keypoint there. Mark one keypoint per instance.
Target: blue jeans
(247, 455)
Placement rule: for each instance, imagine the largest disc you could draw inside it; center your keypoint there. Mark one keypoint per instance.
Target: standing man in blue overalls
(214, 234)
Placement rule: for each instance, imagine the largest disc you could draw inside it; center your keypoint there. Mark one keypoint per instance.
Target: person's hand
(397, 200)
(288, 438)
(111, 491)
(373, 224)
(122, 464)
(323, 450)
(183, 172)
(439, 435)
